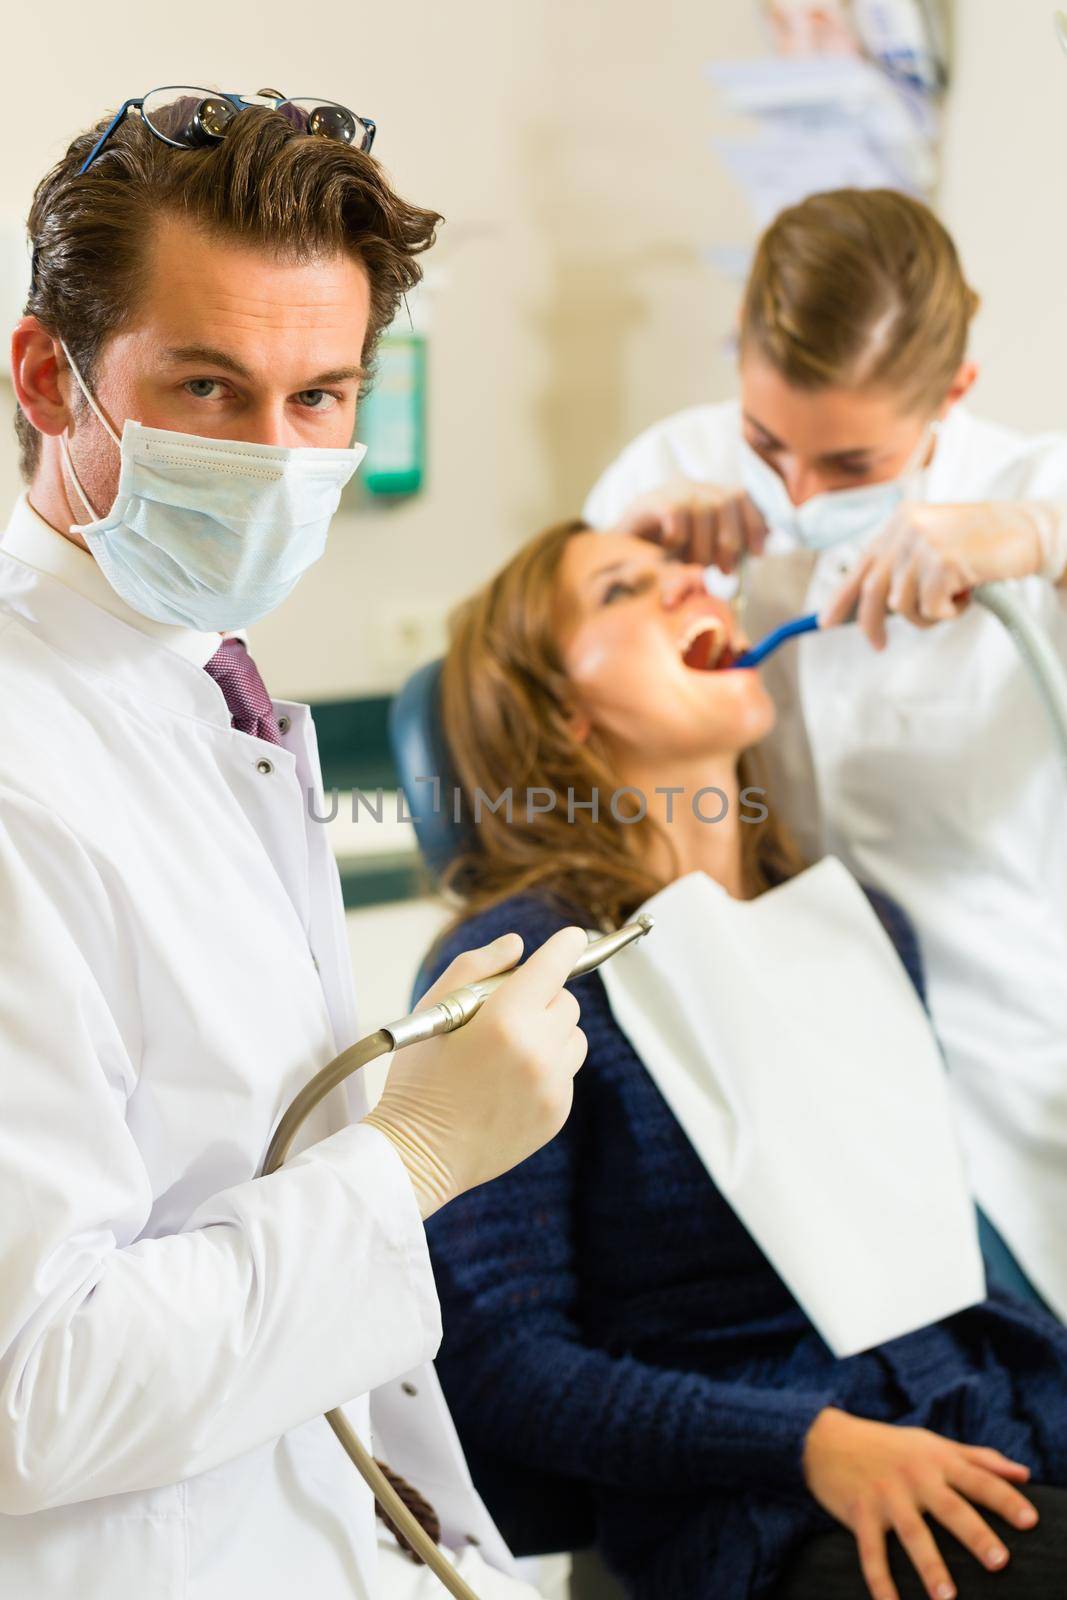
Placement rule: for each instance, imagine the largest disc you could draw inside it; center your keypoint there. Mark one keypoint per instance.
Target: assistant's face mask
(839, 514)
(210, 533)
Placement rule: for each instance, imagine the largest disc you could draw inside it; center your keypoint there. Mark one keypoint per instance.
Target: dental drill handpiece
(449, 1013)
(454, 1009)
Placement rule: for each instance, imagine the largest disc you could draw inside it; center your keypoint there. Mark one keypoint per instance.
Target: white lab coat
(930, 770)
(173, 967)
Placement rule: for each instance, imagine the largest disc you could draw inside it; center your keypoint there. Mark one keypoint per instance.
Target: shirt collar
(34, 542)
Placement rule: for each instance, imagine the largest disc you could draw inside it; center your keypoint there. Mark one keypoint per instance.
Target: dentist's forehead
(284, 320)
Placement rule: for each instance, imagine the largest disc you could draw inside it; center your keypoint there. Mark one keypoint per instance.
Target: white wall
(1004, 196)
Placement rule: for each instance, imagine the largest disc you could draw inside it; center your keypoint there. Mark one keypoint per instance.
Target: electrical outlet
(410, 636)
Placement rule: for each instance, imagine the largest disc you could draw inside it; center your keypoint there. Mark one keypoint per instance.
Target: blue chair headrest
(422, 755)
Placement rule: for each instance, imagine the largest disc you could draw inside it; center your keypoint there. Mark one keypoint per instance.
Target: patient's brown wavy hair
(505, 698)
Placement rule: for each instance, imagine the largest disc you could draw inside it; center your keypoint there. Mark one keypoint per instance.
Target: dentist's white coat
(173, 967)
(930, 770)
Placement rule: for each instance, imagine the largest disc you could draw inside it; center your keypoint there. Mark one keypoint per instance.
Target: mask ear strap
(926, 446)
(83, 386)
(75, 481)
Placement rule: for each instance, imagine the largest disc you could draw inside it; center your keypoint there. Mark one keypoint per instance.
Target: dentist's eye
(316, 399)
(200, 388)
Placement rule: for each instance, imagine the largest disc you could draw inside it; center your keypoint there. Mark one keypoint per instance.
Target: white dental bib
(787, 1039)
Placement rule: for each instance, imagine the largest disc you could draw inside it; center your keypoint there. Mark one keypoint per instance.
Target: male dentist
(211, 274)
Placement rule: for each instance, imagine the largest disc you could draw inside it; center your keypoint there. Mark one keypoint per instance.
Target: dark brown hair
(265, 183)
(505, 697)
(860, 288)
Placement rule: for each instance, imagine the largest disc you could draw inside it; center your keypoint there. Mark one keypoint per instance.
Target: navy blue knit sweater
(615, 1339)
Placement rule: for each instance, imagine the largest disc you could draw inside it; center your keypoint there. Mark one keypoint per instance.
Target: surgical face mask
(210, 533)
(839, 514)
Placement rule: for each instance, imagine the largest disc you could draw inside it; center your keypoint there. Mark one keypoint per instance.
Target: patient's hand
(876, 1479)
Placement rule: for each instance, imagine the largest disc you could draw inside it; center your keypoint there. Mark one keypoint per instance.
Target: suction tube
(450, 1012)
(1035, 647)
(788, 630)
(1031, 641)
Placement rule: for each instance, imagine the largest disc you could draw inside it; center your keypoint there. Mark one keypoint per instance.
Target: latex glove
(700, 522)
(465, 1106)
(876, 1478)
(928, 558)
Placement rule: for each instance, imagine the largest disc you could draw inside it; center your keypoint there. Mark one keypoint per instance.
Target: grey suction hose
(450, 1012)
(352, 1060)
(1036, 649)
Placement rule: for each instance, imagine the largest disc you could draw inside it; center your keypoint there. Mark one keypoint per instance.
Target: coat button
(265, 767)
(473, 1539)
(283, 724)
(409, 1388)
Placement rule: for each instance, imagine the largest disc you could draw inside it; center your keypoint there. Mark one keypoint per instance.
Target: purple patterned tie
(246, 695)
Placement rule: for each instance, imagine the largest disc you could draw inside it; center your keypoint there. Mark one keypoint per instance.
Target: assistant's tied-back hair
(266, 184)
(860, 289)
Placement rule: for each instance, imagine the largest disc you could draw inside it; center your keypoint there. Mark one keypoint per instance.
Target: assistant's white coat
(173, 967)
(930, 769)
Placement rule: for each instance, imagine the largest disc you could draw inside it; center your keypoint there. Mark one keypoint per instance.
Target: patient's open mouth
(704, 646)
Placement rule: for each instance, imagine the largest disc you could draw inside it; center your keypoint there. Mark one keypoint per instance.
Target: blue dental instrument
(1037, 651)
(788, 630)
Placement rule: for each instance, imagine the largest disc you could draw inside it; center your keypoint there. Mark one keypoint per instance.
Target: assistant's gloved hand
(927, 560)
(700, 522)
(466, 1106)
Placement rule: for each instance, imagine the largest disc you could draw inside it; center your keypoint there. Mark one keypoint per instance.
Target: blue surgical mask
(210, 533)
(837, 516)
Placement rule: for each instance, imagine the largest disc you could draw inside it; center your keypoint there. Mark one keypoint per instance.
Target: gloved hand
(466, 1106)
(700, 522)
(927, 560)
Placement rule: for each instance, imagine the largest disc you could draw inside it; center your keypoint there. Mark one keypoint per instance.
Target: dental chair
(557, 1513)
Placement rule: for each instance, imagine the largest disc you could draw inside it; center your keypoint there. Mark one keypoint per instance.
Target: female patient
(608, 1319)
